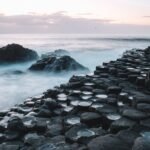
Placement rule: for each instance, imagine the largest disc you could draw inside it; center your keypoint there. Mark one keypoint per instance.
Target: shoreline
(109, 109)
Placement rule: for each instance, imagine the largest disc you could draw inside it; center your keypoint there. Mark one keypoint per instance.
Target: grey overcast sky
(75, 16)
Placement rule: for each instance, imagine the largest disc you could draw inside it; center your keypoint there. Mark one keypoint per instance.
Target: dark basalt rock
(91, 118)
(56, 53)
(44, 112)
(33, 139)
(54, 130)
(9, 146)
(144, 107)
(51, 104)
(114, 90)
(79, 133)
(147, 52)
(128, 136)
(57, 65)
(121, 124)
(141, 143)
(14, 53)
(145, 122)
(109, 110)
(134, 114)
(15, 124)
(107, 142)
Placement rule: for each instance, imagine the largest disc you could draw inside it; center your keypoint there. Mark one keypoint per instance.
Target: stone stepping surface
(108, 109)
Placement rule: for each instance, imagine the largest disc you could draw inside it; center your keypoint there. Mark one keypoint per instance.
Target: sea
(89, 50)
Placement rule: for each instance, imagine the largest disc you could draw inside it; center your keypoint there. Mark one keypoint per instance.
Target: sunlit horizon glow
(126, 12)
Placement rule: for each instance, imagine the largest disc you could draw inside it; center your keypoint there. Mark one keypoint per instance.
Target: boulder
(57, 65)
(14, 53)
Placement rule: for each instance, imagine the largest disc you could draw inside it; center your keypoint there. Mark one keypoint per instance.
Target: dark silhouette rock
(14, 53)
(57, 65)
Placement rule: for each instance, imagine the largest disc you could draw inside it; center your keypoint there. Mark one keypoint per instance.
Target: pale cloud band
(62, 23)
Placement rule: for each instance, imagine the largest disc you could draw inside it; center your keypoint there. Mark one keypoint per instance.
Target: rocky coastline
(109, 109)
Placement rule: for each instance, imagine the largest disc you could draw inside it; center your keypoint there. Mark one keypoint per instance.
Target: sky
(75, 16)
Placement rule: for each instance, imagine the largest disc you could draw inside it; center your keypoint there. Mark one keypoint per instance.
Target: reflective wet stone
(103, 96)
(87, 93)
(74, 103)
(68, 109)
(86, 97)
(29, 121)
(32, 113)
(119, 103)
(131, 98)
(13, 114)
(29, 103)
(33, 139)
(62, 98)
(76, 91)
(97, 105)
(62, 95)
(77, 132)
(113, 116)
(85, 133)
(88, 84)
(85, 104)
(63, 104)
(73, 120)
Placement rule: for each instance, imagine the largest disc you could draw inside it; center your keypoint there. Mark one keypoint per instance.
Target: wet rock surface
(56, 53)
(14, 53)
(56, 64)
(105, 110)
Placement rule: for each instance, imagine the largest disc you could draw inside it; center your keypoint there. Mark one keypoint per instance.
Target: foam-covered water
(89, 50)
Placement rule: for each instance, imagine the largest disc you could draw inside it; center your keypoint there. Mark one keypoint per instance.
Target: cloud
(146, 16)
(60, 22)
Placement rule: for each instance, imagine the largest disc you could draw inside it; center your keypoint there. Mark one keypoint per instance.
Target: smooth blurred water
(89, 50)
